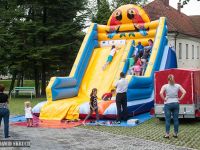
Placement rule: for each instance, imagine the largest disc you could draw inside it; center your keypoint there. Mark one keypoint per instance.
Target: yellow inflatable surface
(95, 76)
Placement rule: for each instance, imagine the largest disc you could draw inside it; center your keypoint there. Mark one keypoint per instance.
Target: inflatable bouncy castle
(68, 97)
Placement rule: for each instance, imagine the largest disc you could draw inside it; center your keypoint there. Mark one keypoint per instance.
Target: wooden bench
(30, 90)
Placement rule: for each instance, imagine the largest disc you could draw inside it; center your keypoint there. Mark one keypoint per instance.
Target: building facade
(183, 33)
(187, 50)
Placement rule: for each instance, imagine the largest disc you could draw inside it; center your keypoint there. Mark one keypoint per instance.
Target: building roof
(196, 21)
(176, 21)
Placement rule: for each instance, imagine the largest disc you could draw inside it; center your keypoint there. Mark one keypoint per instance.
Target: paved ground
(81, 139)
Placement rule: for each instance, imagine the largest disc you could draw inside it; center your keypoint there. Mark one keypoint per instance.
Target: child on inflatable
(137, 67)
(150, 45)
(131, 64)
(146, 55)
(93, 105)
(139, 49)
(28, 113)
(108, 96)
(111, 55)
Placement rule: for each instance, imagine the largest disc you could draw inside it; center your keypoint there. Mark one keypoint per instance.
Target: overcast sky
(192, 8)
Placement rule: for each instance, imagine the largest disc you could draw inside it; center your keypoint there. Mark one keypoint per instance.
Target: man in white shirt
(121, 98)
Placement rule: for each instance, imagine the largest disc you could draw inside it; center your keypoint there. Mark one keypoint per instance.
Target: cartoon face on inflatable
(127, 14)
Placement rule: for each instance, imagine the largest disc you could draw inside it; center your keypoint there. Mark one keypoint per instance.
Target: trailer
(190, 81)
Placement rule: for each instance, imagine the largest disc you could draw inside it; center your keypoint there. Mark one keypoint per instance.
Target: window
(198, 52)
(187, 51)
(180, 51)
(192, 51)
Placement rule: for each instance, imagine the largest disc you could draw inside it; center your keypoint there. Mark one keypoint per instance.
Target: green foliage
(56, 37)
(40, 38)
(33, 32)
(103, 12)
(6, 83)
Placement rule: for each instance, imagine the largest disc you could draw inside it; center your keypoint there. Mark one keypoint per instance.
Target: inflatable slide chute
(68, 97)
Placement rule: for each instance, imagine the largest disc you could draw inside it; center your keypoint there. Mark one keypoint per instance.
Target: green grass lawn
(16, 105)
(6, 83)
(154, 130)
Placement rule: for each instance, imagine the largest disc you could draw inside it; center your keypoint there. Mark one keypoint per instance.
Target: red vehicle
(190, 81)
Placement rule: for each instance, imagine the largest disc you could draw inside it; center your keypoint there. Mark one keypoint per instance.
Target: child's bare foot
(84, 123)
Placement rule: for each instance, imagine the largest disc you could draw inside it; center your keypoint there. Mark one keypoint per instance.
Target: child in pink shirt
(137, 67)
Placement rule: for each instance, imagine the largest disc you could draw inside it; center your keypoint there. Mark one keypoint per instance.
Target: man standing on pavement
(121, 98)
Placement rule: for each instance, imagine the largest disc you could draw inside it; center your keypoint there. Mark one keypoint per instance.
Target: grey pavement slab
(81, 139)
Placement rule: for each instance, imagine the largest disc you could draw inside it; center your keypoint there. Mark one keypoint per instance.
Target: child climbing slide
(111, 55)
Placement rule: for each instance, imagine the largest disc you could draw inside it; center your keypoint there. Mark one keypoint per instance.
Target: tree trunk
(22, 80)
(43, 86)
(12, 84)
(36, 76)
(18, 79)
(43, 89)
(18, 83)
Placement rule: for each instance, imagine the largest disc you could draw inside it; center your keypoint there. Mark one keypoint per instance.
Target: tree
(39, 37)
(103, 12)
(59, 34)
(8, 56)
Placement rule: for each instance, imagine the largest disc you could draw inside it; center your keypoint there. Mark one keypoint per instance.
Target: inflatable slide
(68, 97)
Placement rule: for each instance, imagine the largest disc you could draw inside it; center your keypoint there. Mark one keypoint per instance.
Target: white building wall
(185, 59)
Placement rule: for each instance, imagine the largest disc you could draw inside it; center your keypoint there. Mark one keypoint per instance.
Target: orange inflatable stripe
(127, 35)
(127, 27)
(103, 105)
(58, 124)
